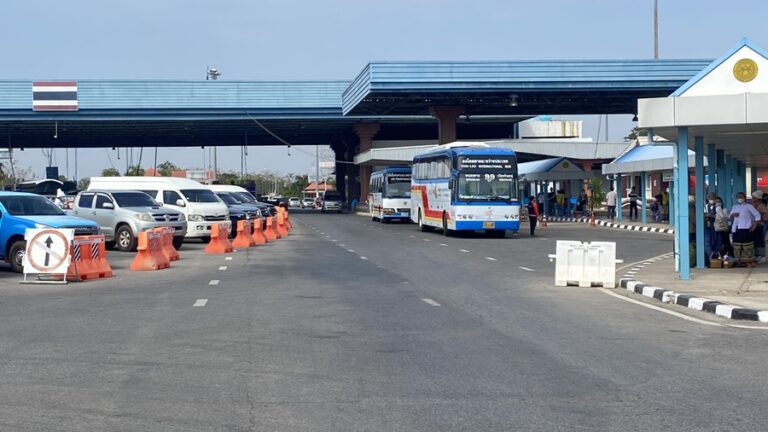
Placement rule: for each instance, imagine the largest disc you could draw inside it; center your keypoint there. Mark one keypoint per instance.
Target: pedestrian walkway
(736, 293)
(624, 224)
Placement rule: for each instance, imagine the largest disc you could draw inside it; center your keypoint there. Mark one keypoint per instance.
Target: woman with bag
(744, 219)
(722, 227)
(711, 238)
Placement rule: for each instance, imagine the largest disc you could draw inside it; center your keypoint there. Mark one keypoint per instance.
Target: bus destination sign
(496, 163)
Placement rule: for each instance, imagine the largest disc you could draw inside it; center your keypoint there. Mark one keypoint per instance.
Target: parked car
(238, 210)
(331, 202)
(308, 203)
(121, 215)
(294, 202)
(19, 211)
(200, 206)
(243, 195)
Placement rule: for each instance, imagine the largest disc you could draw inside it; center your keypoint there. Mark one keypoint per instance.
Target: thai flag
(54, 96)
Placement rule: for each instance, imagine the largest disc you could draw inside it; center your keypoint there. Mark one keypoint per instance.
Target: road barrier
(288, 224)
(244, 238)
(89, 259)
(282, 231)
(149, 253)
(269, 231)
(258, 235)
(585, 264)
(166, 243)
(219, 243)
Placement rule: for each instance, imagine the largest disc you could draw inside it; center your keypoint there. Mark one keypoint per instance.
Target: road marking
(464, 250)
(351, 250)
(491, 259)
(431, 302)
(342, 245)
(526, 269)
(426, 240)
(327, 236)
(656, 308)
(222, 268)
(363, 258)
(334, 240)
(228, 259)
(412, 236)
(200, 303)
(214, 282)
(443, 244)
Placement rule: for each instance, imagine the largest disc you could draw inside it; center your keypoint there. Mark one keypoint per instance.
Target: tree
(83, 183)
(229, 178)
(635, 133)
(596, 195)
(166, 168)
(135, 171)
(110, 172)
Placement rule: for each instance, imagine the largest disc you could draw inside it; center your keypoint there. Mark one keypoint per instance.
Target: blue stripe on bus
(478, 225)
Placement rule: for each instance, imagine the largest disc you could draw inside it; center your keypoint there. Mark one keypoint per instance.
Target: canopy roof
(647, 158)
(551, 170)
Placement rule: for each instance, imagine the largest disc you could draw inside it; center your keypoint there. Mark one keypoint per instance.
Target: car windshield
(30, 206)
(134, 199)
(332, 197)
(487, 187)
(398, 186)
(200, 196)
(244, 197)
(229, 199)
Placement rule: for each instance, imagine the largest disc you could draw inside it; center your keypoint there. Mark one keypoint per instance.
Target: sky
(325, 39)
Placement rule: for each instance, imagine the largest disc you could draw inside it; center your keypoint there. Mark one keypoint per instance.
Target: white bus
(390, 194)
(466, 187)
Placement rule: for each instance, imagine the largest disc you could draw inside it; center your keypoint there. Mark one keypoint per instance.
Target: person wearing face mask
(759, 233)
(723, 227)
(711, 238)
(744, 219)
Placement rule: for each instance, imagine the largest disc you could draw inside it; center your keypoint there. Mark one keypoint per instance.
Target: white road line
(222, 268)
(342, 245)
(426, 240)
(491, 259)
(228, 259)
(430, 302)
(656, 308)
(214, 282)
(334, 240)
(526, 269)
(443, 244)
(363, 258)
(412, 236)
(464, 250)
(351, 250)
(200, 303)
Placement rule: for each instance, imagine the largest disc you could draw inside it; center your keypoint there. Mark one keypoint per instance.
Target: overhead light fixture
(634, 118)
(513, 100)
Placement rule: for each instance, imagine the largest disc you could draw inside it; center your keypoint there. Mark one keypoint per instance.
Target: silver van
(123, 214)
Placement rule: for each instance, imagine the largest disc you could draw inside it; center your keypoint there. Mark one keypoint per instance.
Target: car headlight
(144, 217)
(196, 218)
(181, 217)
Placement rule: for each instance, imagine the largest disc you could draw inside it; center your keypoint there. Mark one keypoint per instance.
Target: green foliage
(135, 171)
(634, 133)
(229, 178)
(83, 183)
(110, 172)
(596, 193)
(166, 168)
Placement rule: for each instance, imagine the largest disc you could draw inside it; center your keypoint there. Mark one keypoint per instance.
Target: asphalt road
(353, 325)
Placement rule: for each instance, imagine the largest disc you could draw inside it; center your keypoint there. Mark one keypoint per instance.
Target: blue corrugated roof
(480, 76)
(539, 166)
(647, 152)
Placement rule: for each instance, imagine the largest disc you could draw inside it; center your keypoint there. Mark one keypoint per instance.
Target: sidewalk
(625, 224)
(735, 293)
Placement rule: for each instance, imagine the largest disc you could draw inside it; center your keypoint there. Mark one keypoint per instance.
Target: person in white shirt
(610, 201)
(744, 219)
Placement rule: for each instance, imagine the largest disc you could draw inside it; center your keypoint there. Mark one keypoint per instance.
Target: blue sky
(315, 39)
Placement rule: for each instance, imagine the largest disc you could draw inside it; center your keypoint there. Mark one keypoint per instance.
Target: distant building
(202, 176)
(312, 189)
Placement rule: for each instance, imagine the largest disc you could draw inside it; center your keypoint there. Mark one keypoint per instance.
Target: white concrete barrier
(585, 264)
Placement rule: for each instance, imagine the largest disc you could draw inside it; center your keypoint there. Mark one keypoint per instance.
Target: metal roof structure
(553, 169)
(647, 158)
(515, 87)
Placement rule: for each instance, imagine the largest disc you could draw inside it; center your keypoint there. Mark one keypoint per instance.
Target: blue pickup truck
(19, 211)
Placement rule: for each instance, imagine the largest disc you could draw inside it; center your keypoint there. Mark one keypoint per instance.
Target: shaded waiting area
(640, 163)
(722, 113)
(536, 177)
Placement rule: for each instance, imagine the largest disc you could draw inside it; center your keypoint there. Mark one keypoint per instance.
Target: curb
(687, 300)
(609, 224)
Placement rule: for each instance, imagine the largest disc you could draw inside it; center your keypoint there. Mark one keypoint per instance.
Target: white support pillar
(700, 199)
(643, 199)
(681, 199)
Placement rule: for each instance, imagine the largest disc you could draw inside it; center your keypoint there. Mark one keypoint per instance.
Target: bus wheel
(422, 227)
(446, 232)
(373, 218)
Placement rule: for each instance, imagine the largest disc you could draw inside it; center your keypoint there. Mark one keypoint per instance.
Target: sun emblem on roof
(745, 70)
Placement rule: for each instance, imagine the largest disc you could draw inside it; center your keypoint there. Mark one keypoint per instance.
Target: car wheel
(16, 256)
(206, 239)
(177, 242)
(126, 241)
(109, 244)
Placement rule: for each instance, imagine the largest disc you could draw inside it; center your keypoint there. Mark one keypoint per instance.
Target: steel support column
(752, 179)
(617, 188)
(700, 199)
(681, 199)
(721, 179)
(728, 180)
(711, 168)
(643, 199)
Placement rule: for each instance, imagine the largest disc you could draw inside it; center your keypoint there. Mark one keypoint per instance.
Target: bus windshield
(487, 186)
(398, 186)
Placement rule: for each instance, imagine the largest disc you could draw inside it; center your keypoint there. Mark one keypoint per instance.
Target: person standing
(759, 233)
(533, 213)
(744, 218)
(610, 201)
(711, 237)
(723, 227)
(632, 195)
